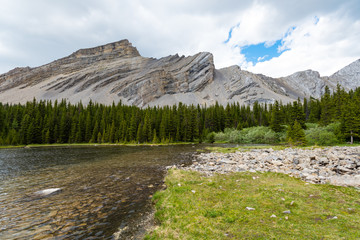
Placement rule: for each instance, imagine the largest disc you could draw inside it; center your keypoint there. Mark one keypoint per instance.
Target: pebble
(273, 216)
(250, 208)
(287, 212)
(193, 191)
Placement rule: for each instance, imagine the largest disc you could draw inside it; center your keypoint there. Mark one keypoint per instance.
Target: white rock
(47, 192)
(250, 208)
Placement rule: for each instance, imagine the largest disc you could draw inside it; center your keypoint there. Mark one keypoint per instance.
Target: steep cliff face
(117, 71)
(305, 83)
(348, 77)
(76, 62)
(112, 72)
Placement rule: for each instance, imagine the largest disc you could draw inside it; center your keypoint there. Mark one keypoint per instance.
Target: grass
(197, 207)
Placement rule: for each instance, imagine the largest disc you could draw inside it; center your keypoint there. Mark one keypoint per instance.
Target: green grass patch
(197, 207)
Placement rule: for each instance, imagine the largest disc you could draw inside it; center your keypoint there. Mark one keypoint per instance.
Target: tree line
(38, 122)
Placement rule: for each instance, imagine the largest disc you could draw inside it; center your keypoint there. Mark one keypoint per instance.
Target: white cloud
(326, 47)
(39, 31)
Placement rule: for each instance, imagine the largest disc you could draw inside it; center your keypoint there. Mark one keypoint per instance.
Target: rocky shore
(335, 165)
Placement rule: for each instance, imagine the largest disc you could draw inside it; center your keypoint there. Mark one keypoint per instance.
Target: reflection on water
(102, 189)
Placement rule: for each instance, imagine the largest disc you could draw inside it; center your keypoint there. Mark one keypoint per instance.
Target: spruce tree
(155, 139)
(296, 134)
(326, 111)
(88, 127)
(139, 134)
(350, 121)
(275, 121)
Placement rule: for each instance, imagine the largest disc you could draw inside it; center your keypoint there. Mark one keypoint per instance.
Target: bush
(323, 135)
(253, 135)
(311, 125)
(211, 137)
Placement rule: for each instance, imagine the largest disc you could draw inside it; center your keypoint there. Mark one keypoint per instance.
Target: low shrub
(253, 135)
(323, 136)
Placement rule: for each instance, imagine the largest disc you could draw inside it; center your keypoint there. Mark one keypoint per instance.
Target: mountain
(117, 71)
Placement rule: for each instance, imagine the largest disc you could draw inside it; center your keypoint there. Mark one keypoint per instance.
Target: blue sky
(261, 52)
(264, 51)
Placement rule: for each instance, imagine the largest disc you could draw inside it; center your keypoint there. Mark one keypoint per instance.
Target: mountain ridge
(116, 71)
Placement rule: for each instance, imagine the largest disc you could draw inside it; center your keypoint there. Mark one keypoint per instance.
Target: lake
(105, 190)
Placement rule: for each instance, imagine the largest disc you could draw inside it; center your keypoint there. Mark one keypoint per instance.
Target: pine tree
(163, 127)
(103, 137)
(139, 134)
(72, 136)
(297, 114)
(296, 134)
(350, 121)
(88, 127)
(30, 134)
(112, 133)
(64, 128)
(95, 133)
(47, 137)
(228, 117)
(289, 134)
(314, 110)
(98, 138)
(275, 121)
(155, 139)
(326, 111)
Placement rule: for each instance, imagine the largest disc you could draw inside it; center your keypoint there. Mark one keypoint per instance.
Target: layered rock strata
(117, 72)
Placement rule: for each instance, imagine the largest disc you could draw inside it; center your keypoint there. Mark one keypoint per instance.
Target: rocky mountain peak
(121, 48)
(116, 71)
(349, 76)
(352, 68)
(305, 74)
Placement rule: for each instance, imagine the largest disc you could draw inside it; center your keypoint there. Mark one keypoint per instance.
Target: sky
(272, 37)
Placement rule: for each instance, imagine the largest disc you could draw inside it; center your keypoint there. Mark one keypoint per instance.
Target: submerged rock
(47, 192)
(40, 194)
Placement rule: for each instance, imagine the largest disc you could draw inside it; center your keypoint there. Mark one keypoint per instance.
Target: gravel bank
(335, 165)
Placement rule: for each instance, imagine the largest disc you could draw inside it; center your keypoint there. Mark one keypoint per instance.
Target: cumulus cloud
(37, 32)
(325, 44)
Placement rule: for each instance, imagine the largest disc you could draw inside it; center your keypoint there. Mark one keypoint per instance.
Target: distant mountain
(117, 71)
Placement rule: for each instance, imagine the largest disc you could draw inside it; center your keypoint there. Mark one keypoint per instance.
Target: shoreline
(228, 194)
(333, 165)
(96, 145)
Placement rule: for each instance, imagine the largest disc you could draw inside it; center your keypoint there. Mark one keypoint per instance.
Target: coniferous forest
(49, 122)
